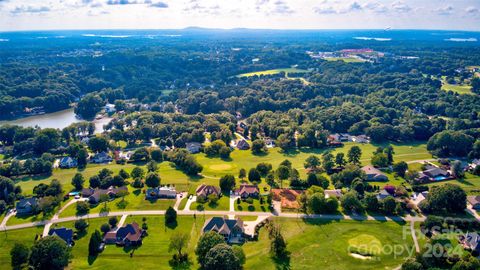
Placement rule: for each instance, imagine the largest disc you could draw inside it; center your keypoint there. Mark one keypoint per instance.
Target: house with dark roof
(433, 173)
(63, 233)
(26, 206)
(374, 174)
(193, 147)
(205, 190)
(383, 194)
(93, 195)
(231, 229)
(471, 241)
(243, 145)
(160, 193)
(102, 157)
(67, 162)
(474, 201)
(246, 191)
(128, 235)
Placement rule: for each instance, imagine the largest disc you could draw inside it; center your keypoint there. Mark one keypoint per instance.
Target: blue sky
(274, 14)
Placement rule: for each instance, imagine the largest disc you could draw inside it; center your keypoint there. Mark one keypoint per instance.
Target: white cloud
(448, 10)
(401, 7)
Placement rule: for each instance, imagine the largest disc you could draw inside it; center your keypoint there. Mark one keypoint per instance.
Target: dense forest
(189, 84)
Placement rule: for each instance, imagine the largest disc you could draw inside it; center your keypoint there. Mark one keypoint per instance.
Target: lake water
(60, 120)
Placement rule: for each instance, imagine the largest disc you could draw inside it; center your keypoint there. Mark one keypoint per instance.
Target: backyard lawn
(135, 200)
(312, 243)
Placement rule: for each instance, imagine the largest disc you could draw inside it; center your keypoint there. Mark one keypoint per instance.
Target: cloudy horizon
(262, 14)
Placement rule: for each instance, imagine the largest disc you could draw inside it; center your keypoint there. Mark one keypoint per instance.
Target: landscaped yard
(255, 206)
(135, 200)
(311, 243)
(222, 204)
(166, 170)
(471, 183)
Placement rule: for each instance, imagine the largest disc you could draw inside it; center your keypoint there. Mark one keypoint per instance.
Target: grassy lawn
(216, 167)
(325, 245)
(256, 206)
(471, 183)
(222, 204)
(273, 72)
(33, 218)
(8, 239)
(167, 171)
(153, 254)
(457, 88)
(313, 244)
(135, 201)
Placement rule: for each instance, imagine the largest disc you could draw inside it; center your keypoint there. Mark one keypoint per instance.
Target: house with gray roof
(63, 233)
(374, 174)
(26, 206)
(471, 241)
(231, 229)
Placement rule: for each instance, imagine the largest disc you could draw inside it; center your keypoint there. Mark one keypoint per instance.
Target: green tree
(283, 172)
(457, 169)
(49, 253)
(170, 216)
(152, 166)
(95, 241)
(371, 202)
(81, 225)
(77, 181)
(242, 173)
(388, 205)
(380, 160)
(82, 157)
(340, 159)
(351, 203)
(227, 182)
(98, 144)
(152, 180)
(157, 155)
(82, 208)
(263, 168)
(19, 255)
(178, 241)
(258, 146)
(354, 155)
(137, 172)
(206, 242)
(312, 162)
(254, 175)
(221, 256)
(105, 228)
(400, 168)
(113, 221)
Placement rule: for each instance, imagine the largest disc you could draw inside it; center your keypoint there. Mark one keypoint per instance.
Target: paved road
(215, 213)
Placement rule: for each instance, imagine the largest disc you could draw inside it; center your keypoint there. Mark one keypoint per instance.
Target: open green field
(9, 238)
(313, 245)
(167, 171)
(325, 245)
(256, 206)
(345, 59)
(272, 72)
(216, 167)
(460, 89)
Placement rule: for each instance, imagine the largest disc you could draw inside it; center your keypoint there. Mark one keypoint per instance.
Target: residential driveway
(180, 197)
(6, 218)
(249, 226)
(189, 202)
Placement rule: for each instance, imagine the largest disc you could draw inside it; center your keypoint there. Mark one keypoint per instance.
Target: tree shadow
(172, 225)
(91, 259)
(282, 263)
